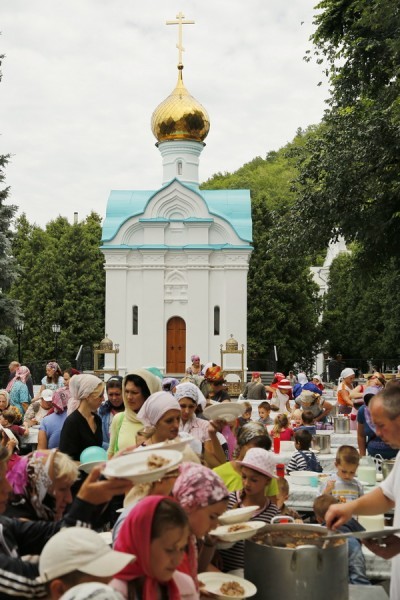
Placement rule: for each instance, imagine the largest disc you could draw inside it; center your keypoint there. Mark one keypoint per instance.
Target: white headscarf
(80, 387)
(156, 406)
(302, 378)
(190, 390)
(152, 382)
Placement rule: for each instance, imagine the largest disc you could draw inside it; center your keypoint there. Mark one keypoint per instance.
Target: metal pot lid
(364, 535)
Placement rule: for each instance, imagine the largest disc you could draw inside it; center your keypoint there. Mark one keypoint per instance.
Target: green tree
(62, 281)
(10, 312)
(348, 182)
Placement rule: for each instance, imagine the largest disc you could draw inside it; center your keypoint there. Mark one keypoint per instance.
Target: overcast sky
(81, 79)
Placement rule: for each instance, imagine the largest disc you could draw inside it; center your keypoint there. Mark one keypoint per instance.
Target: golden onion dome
(180, 116)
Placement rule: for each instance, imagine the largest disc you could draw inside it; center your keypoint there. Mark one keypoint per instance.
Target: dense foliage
(349, 180)
(62, 281)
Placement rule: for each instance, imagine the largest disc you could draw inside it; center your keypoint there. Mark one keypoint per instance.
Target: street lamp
(19, 328)
(56, 327)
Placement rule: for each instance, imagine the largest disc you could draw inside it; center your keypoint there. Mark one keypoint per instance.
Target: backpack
(311, 462)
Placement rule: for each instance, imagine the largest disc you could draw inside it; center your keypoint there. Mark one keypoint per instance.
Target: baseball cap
(259, 460)
(47, 395)
(80, 549)
(91, 590)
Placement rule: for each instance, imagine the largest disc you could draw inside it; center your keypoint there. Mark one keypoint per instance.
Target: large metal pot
(298, 573)
(341, 424)
(321, 442)
(387, 465)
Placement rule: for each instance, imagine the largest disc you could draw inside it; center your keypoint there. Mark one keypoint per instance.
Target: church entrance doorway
(176, 345)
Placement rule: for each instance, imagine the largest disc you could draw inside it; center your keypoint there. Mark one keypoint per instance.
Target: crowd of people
(162, 530)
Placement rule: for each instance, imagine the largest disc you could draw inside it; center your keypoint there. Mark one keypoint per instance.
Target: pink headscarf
(135, 537)
(156, 406)
(22, 374)
(60, 399)
(197, 487)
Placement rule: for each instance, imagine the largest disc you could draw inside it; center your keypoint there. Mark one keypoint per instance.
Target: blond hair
(64, 466)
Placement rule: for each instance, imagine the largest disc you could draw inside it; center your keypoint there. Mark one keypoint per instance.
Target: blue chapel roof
(234, 206)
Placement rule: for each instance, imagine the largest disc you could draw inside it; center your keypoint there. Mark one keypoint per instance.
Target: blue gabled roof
(234, 206)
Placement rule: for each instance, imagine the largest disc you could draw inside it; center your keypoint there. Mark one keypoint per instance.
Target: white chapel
(176, 257)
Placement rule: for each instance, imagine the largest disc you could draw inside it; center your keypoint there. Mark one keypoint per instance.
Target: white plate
(177, 444)
(238, 515)
(134, 466)
(227, 411)
(222, 532)
(212, 583)
(88, 466)
(107, 537)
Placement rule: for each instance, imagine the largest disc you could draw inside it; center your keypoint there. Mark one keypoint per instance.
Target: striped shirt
(233, 558)
(298, 461)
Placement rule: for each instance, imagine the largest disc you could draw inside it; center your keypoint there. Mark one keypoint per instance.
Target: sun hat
(279, 376)
(259, 460)
(91, 590)
(346, 373)
(284, 384)
(80, 549)
(47, 395)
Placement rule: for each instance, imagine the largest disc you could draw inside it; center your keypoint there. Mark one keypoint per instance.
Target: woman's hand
(100, 491)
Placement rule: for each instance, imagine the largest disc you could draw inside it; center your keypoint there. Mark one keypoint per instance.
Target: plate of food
(143, 467)
(89, 466)
(178, 443)
(224, 585)
(238, 515)
(225, 411)
(237, 531)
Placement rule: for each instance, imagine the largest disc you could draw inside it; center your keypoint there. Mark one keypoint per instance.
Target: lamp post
(19, 328)
(56, 327)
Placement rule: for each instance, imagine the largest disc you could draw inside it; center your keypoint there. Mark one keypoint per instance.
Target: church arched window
(135, 320)
(216, 320)
(179, 167)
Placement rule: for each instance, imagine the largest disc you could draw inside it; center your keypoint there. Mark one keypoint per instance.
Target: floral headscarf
(134, 537)
(60, 399)
(198, 487)
(21, 374)
(53, 365)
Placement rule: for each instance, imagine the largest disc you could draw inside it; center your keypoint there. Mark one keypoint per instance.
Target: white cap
(80, 549)
(47, 395)
(92, 589)
(346, 373)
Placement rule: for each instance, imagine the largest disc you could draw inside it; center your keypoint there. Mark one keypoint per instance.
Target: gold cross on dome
(180, 20)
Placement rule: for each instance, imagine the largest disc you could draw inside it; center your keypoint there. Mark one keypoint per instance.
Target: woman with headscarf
(136, 388)
(4, 400)
(251, 435)
(41, 484)
(204, 497)
(51, 425)
(18, 390)
(161, 412)
(196, 367)
(156, 531)
(82, 428)
(189, 397)
(53, 378)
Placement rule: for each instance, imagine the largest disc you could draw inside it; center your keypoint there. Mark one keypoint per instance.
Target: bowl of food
(225, 585)
(237, 531)
(143, 467)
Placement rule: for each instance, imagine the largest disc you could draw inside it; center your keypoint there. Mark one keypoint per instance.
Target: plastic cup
(314, 481)
(277, 445)
(280, 470)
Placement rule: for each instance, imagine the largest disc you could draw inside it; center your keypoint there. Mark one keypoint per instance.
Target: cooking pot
(298, 573)
(321, 442)
(341, 424)
(385, 465)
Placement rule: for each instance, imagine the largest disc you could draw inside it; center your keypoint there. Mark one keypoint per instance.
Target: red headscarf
(135, 537)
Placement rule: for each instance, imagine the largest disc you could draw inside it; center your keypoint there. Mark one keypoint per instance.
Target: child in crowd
(307, 422)
(264, 410)
(303, 459)
(296, 418)
(246, 416)
(357, 568)
(282, 429)
(342, 485)
(283, 495)
(258, 468)
(7, 420)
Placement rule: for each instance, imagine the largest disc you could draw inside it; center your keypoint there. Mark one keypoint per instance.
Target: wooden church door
(176, 345)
